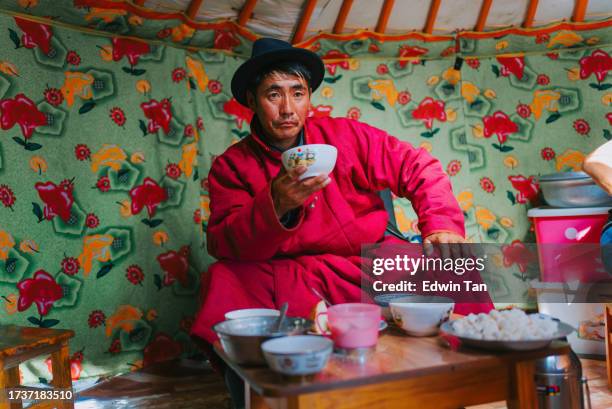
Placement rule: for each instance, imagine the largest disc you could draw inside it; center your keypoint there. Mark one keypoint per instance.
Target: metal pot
(241, 338)
(572, 189)
(560, 384)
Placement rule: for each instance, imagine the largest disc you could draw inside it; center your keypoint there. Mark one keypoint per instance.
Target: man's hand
(289, 193)
(448, 243)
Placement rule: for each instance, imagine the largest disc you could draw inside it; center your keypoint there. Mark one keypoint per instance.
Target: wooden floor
(192, 384)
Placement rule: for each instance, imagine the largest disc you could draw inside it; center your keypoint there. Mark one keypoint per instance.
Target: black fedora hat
(268, 51)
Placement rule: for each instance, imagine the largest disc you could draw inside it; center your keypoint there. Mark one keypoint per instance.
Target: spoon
(283, 314)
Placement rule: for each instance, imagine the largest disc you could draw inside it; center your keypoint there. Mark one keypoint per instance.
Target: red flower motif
(132, 49)
(118, 116)
(354, 113)
(320, 111)
(523, 110)
(200, 123)
(175, 265)
(103, 184)
(163, 33)
(225, 40)
(134, 274)
(487, 185)
(58, 200)
(82, 152)
(188, 131)
(7, 197)
(70, 265)
(454, 166)
(543, 79)
(553, 56)
(548, 154)
(53, 96)
(500, 124)
(173, 171)
(115, 346)
(542, 38)
(178, 74)
(598, 63)
(582, 127)
(21, 110)
(406, 51)
(527, 188)
(404, 97)
(373, 48)
(96, 318)
(35, 34)
(148, 195)
(428, 110)
(609, 118)
(92, 221)
(214, 86)
(448, 51)
(204, 184)
(517, 253)
(473, 62)
(336, 55)
(73, 58)
(197, 216)
(238, 111)
(514, 65)
(162, 348)
(158, 113)
(41, 290)
(382, 69)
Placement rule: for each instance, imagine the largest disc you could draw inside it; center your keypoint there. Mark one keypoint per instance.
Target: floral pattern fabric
(106, 142)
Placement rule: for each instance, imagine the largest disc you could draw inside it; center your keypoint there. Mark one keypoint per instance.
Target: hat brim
(251, 67)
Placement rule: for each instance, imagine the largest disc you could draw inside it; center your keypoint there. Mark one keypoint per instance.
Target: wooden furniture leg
(61, 373)
(9, 378)
(523, 394)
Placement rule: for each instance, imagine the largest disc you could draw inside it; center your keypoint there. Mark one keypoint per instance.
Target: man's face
(281, 104)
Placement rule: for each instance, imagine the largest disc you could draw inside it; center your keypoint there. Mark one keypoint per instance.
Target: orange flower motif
(123, 318)
(428, 110)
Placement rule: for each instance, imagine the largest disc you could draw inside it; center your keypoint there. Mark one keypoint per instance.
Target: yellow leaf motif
(125, 209)
(135, 20)
(607, 99)
(28, 246)
(6, 244)
(466, 200)
(111, 156)
(137, 157)
(544, 100)
(469, 91)
(570, 159)
(384, 88)
(10, 304)
(160, 237)
(143, 86)
(593, 40)
(124, 318)
(451, 115)
(565, 38)
(354, 64)
(77, 84)
(38, 164)
(181, 32)
(404, 224)
(9, 69)
(427, 146)
(106, 53)
(106, 15)
(197, 72)
(484, 217)
(452, 75)
(205, 207)
(327, 92)
(506, 222)
(501, 45)
(433, 80)
(95, 247)
(28, 4)
(151, 314)
(511, 161)
(478, 131)
(573, 74)
(489, 93)
(188, 158)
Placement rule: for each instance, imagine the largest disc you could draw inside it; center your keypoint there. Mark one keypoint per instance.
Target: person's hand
(289, 193)
(448, 243)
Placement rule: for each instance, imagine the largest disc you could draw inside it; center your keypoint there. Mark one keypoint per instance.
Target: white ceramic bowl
(298, 355)
(320, 159)
(421, 316)
(251, 312)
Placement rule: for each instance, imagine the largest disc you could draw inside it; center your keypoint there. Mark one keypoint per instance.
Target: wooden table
(404, 372)
(19, 344)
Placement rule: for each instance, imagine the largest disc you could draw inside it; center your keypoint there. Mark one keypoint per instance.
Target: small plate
(383, 326)
(446, 330)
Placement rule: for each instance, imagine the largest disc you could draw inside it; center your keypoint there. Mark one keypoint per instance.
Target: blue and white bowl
(297, 355)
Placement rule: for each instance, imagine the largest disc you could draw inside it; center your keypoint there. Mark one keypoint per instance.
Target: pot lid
(563, 176)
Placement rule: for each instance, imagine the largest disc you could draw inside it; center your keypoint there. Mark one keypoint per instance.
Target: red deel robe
(263, 264)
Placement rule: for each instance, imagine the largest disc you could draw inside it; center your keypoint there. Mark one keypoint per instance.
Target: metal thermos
(560, 384)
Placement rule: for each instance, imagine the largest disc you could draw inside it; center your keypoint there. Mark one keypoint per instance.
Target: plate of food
(506, 330)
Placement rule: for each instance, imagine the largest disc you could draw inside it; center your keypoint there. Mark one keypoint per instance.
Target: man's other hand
(448, 243)
(289, 193)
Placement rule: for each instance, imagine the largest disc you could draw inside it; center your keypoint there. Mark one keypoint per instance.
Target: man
(278, 238)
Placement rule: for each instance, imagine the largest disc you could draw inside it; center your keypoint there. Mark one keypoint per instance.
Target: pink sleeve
(242, 225)
(410, 173)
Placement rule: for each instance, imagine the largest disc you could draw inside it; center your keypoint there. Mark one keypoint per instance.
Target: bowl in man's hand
(319, 159)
